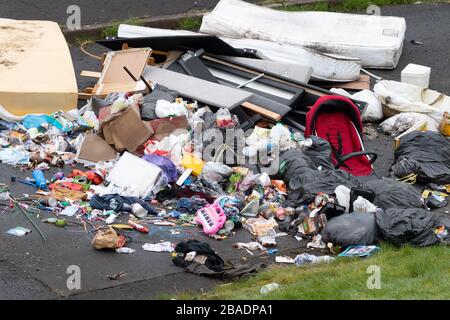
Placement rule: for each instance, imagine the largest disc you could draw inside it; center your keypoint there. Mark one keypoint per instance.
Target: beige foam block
(36, 70)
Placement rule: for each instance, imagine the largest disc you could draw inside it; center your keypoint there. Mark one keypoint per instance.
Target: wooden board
(362, 83)
(114, 78)
(262, 111)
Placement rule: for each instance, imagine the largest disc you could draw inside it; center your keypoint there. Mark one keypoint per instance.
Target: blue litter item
(359, 251)
(39, 178)
(38, 121)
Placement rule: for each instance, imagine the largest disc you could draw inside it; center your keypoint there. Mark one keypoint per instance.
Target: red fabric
(330, 125)
(330, 98)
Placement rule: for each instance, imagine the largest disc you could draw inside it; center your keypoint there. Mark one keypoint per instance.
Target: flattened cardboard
(95, 149)
(36, 69)
(125, 130)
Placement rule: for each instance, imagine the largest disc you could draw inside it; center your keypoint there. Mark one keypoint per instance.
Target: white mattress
(376, 40)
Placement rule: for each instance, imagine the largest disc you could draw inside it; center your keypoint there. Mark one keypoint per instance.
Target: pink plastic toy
(211, 217)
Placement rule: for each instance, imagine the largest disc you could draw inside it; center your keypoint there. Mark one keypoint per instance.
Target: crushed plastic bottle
(269, 288)
(305, 258)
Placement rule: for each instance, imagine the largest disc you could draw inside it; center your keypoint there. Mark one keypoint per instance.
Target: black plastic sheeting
(426, 154)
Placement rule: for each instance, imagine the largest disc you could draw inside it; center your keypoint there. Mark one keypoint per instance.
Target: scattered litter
(158, 247)
(269, 288)
(117, 276)
(18, 231)
(305, 258)
(359, 251)
(234, 134)
(125, 250)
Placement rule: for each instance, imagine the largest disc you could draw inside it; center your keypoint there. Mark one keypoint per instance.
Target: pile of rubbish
(239, 131)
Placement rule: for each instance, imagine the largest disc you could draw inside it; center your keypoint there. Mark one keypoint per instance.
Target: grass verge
(346, 5)
(192, 24)
(111, 30)
(406, 273)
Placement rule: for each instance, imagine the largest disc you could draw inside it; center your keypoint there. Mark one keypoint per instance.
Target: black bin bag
(351, 229)
(426, 154)
(390, 193)
(408, 226)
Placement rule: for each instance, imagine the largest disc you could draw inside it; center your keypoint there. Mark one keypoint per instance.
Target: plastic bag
(401, 122)
(343, 197)
(165, 109)
(304, 187)
(405, 97)
(351, 229)
(374, 110)
(390, 193)
(426, 154)
(279, 134)
(363, 205)
(108, 239)
(165, 164)
(408, 226)
(320, 153)
(218, 168)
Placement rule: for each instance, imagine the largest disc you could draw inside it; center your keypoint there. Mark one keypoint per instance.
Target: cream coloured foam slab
(36, 70)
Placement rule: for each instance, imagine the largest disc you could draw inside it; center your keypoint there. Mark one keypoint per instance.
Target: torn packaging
(165, 127)
(125, 130)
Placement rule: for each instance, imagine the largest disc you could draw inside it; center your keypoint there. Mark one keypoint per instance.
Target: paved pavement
(32, 269)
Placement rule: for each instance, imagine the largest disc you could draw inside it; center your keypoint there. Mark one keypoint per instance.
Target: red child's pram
(337, 120)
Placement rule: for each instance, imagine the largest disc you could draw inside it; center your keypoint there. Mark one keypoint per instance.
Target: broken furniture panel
(115, 79)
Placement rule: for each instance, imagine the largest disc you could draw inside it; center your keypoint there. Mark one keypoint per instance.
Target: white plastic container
(417, 75)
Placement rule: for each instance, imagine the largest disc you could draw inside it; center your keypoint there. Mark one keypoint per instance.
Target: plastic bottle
(39, 178)
(269, 288)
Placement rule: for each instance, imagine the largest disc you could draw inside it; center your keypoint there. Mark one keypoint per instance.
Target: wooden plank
(262, 111)
(90, 74)
(362, 83)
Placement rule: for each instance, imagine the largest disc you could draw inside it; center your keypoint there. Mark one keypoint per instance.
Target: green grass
(345, 5)
(192, 24)
(111, 31)
(406, 273)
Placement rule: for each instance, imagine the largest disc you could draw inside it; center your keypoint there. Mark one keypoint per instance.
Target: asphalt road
(32, 269)
(98, 11)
